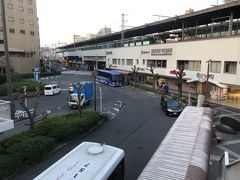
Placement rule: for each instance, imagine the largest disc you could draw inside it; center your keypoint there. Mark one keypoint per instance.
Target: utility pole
(207, 85)
(122, 32)
(6, 54)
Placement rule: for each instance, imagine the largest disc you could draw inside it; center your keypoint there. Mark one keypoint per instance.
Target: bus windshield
(117, 78)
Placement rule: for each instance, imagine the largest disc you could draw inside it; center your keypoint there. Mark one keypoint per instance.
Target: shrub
(3, 79)
(9, 164)
(68, 126)
(31, 86)
(23, 152)
(17, 138)
(32, 149)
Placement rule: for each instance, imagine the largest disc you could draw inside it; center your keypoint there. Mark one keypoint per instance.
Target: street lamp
(207, 84)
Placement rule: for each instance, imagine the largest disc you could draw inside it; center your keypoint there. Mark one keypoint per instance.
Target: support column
(230, 27)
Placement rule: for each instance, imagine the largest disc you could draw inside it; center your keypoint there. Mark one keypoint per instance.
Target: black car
(170, 105)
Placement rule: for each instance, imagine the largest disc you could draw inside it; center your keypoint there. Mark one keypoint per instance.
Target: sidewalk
(226, 102)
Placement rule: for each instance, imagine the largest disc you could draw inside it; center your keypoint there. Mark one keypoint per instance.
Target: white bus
(87, 161)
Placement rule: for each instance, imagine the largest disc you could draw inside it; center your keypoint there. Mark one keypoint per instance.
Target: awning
(210, 80)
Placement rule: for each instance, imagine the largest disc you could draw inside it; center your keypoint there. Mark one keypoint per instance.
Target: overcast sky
(59, 20)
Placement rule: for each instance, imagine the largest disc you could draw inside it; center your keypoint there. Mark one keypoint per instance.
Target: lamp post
(207, 81)
(6, 54)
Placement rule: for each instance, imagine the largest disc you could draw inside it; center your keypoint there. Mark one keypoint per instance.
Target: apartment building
(203, 41)
(23, 36)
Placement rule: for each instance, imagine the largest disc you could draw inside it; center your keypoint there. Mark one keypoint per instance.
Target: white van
(51, 89)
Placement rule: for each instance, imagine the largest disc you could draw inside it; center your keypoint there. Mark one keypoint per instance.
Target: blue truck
(86, 94)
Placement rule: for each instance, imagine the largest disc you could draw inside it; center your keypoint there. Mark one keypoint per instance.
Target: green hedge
(68, 126)
(23, 153)
(31, 86)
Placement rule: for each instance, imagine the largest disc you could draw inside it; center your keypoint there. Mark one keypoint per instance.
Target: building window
(9, 6)
(20, 8)
(22, 31)
(20, 0)
(10, 19)
(114, 61)
(1, 29)
(11, 30)
(21, 21)
(32, 33)
(182, 63)
(31, 23)
(157, 63)
(143, 62)
(1, 41)
(30, 11)
(230, 67)
(137, 61)
(215, 66)
(119, 61)
(123, 61)
(129, 62)
(29, 1)
(194, 65)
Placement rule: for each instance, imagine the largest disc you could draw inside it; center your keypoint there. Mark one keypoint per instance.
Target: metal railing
(5, 110)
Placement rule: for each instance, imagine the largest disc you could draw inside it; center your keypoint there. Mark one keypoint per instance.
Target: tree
(21, 96)
(180, 74)
(135, 70)
(154, 77)
(79, 98)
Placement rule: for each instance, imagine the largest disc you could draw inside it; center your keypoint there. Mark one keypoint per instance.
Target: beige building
(23, 36)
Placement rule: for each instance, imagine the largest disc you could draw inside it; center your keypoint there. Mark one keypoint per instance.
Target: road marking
(229, 151)
(231, 142)
(116, 110)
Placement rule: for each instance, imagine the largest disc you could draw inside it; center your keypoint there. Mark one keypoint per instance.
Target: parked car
(51, 89)
(170, 105)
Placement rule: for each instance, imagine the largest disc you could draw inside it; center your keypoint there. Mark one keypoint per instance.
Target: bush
(32, 149)
(31, 86)
(14, 139)
(23, 152)
(3, 79)
(9, 164)
(68, 126)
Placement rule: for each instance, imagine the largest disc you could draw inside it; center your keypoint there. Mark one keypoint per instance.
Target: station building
(205, 42)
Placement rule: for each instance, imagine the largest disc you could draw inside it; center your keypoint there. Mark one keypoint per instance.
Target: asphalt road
(136, 124)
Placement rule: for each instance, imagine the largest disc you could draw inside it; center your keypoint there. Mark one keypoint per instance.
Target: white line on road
(116, 110)
(229, 151)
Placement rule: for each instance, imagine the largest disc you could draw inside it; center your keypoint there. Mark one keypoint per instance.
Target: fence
(5, 111)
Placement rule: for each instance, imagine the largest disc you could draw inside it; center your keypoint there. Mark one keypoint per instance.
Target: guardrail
(19, 114)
